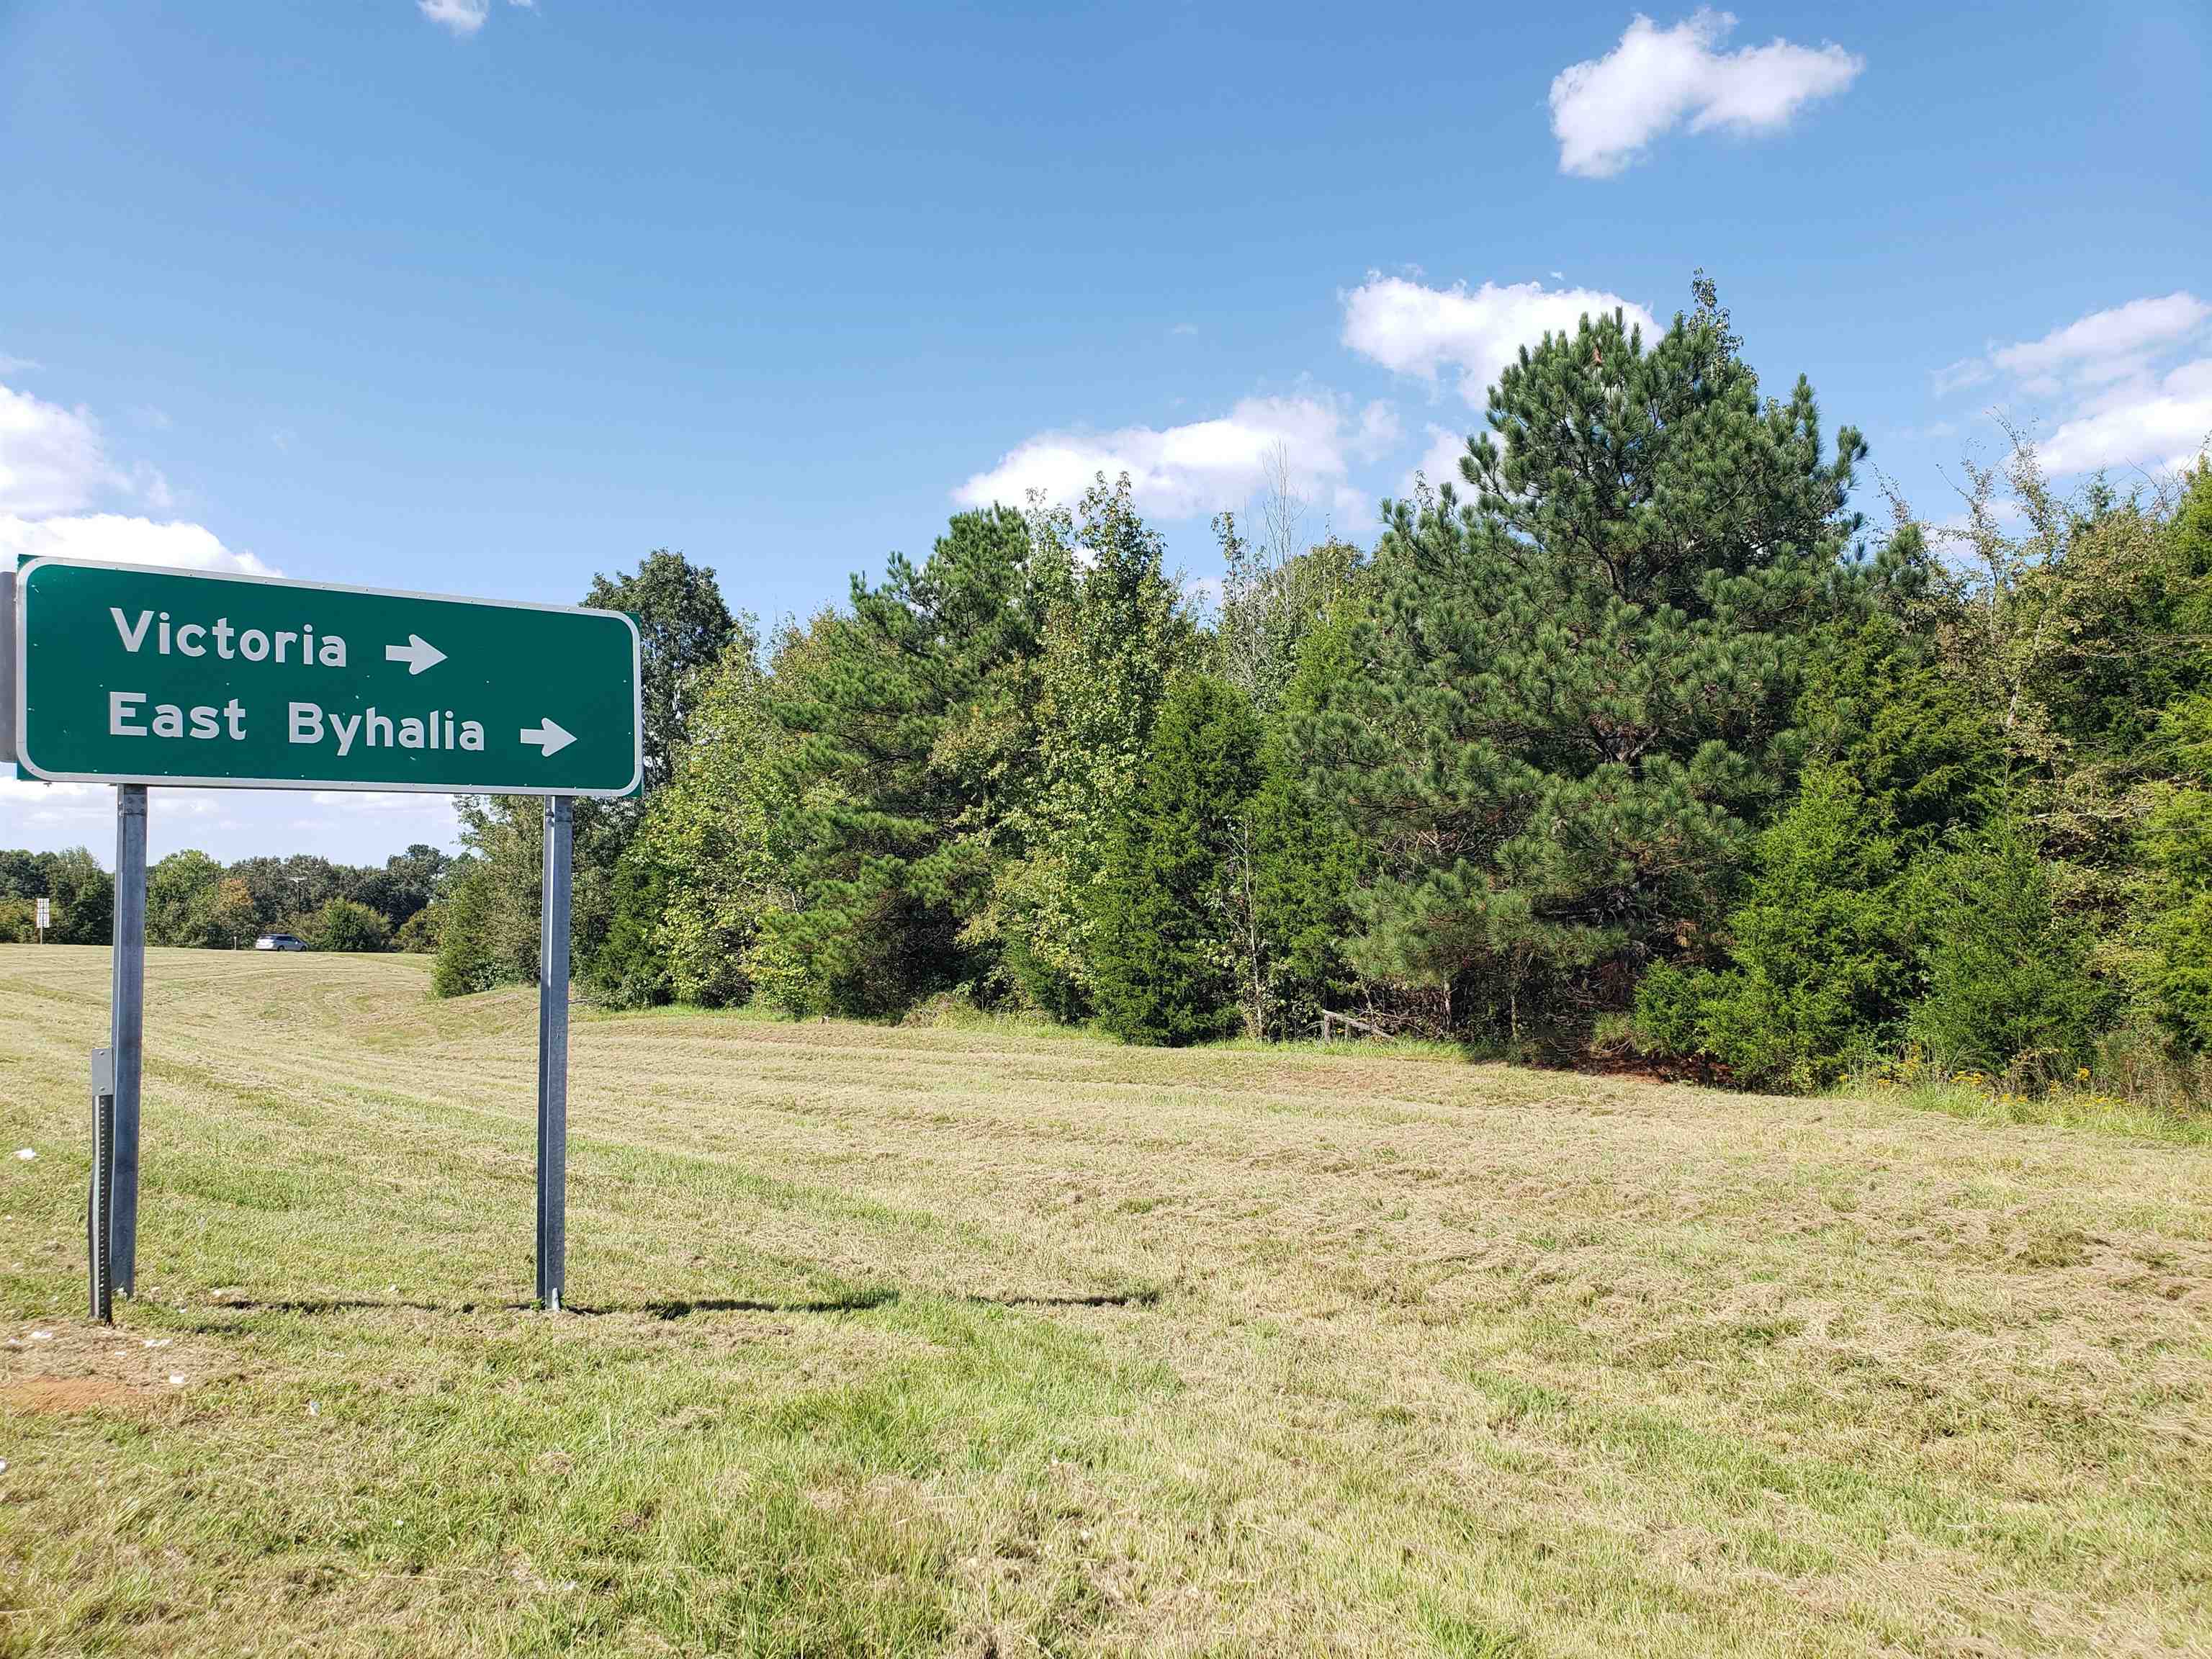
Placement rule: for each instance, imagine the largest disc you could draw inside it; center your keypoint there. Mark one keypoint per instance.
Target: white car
(280, 942)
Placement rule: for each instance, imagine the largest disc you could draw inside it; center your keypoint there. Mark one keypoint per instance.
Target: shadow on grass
(859, 1301)
(673, 1308)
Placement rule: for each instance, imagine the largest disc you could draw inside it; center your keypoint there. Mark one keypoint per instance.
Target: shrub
(2008, 985)
(343, 925)
(629, 969)
(2181, 978)
(468, 959)
(419, 933)
(1822, 960)
(1670, 1010)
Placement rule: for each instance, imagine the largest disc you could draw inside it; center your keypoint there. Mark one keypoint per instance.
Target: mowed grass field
(1005, 1343)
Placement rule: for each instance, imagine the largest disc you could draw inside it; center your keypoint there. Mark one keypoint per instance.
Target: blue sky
(482, 298)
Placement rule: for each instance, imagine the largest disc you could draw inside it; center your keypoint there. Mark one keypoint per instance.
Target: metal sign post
(128, 1020)
(553, 1055)
(46, 918)
(131, 676)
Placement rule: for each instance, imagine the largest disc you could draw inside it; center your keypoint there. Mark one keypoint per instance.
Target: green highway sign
(126, 674)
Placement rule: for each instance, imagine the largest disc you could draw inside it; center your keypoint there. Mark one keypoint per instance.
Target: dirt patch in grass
(60, 1396)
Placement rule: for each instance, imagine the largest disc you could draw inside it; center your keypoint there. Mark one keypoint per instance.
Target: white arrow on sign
(418, 653)
(549, 738)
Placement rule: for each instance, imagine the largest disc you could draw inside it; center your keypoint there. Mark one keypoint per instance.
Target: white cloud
(56, 473)
(117, 539)
(16, 365)
(2167, 425)
(1350, 511)
(2105, 347)
(52, 459)
(1967, 371)
(1417, 330)
(2120, 409)
(1380, 430)
(21, 791)
(1606, 111)
(380, 800)
(1439, 462)
(2108, 344)
(1183, 471)
(463, 17)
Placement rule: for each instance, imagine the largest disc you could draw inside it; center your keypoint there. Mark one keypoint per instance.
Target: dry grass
(990, 1342)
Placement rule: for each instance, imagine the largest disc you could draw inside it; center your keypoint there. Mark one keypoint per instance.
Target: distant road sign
(46, 916)
(126, 674)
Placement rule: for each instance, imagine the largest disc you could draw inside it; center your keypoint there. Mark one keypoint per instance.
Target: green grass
(2064, 1108)
(977, 1339)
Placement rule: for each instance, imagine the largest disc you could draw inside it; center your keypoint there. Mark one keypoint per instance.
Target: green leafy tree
(345, 924)
(406, 882)
(419, 933)
(2177, 849)
(284, 888)
(1164, 954)
(84, 898)
(22, 873)
(1116, 628)
(1276, 589)
(476, 947)
(181, 894)
(684, 628)
(708, 852)
(489, 934)
(1579, 705)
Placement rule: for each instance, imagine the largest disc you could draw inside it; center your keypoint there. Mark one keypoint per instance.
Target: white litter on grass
(3, 1466)
(314, 1410)
(28, 1154)
(176, 1379)
(42, 1336)
(157, 1341)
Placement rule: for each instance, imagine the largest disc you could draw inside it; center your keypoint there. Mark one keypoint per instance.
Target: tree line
(1636, 736)
(193, 901)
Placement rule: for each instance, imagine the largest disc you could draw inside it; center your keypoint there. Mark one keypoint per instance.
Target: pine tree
(1308, 861)
(902, 750)
(1582, 680)
(1163, 957)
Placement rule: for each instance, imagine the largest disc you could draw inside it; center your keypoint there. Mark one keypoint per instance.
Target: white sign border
(20, 692)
